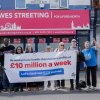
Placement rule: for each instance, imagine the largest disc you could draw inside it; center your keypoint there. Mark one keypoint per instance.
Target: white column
(98, 52)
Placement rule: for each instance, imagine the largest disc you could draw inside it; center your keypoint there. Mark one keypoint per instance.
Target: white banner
(39, 66)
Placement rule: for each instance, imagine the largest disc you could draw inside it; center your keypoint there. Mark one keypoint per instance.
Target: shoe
(5, 90)
(21, 89)
(87, 88)
(58, 87)
(29, 89)
(94, 88)
(45, 88)
(52, 88)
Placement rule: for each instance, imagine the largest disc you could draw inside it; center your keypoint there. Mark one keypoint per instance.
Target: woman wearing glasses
(60, 83)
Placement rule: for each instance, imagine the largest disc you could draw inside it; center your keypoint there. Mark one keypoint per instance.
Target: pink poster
(56, 40)
(17, 41)
(65, 40)
(30, 40)
(42, 40)
(43, 22)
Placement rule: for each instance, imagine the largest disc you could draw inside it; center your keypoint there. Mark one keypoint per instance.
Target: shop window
(31, 1)
(20, 4)
(41, 44)
(58, 4)
(64, 3)
(54, 4)
(37, 1)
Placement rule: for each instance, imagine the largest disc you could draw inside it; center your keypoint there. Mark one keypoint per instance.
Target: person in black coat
(7, 48)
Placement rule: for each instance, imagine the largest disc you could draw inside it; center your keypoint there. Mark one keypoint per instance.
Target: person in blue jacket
(91, 63)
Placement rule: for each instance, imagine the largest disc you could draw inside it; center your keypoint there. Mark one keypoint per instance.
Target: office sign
(43, 22)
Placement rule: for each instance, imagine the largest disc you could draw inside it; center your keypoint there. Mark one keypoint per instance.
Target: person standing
(18, 86)
(60, 83)
(52, 83)
(29, 49)
(6, 48)
(91, 63)
(80, 58)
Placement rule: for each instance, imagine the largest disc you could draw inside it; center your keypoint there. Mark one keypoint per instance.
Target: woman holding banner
(60, 83)
(29, 49)
(18, 86)
(52, 83)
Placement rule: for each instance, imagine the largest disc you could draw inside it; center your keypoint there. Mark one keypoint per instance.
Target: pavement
(59, 94)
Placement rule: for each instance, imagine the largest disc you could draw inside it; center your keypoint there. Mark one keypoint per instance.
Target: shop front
(44, 27)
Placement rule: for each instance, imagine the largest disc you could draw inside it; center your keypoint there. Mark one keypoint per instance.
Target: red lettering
(12, 65)
(67, 62)
(16, 65)
(61, 63)
(56, 63)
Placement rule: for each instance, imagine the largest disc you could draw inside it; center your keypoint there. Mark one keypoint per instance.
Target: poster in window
(30, 40)
(65, 40)
(17, 41)
(56, 40)
(42, 40)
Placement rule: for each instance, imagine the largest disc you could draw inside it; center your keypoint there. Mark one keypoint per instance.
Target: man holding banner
(80, 58)
(7, 48)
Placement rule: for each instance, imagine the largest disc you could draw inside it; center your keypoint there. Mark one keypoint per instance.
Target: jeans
(6, 83)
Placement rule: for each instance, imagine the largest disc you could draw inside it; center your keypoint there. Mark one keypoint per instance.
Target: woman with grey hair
(29, 49)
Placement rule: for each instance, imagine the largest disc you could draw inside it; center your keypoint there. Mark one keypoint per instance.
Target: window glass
(20, 4)
(64, 3)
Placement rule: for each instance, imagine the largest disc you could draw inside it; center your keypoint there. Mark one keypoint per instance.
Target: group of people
(87, 56)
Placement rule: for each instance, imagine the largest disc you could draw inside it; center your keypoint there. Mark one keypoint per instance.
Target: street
(52, 96)
(60, 94)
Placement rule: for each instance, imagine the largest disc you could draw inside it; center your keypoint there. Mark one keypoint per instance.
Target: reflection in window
(64, 3)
